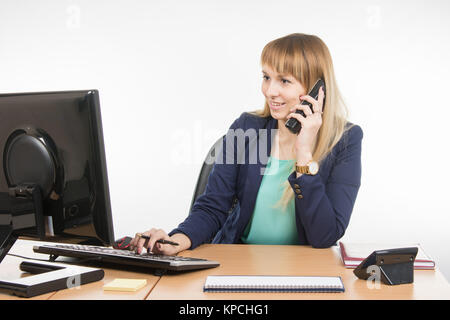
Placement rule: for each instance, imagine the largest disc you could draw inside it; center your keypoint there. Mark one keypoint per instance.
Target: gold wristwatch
(311, 168)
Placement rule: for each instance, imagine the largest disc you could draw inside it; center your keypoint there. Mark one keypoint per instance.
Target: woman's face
(282, 92)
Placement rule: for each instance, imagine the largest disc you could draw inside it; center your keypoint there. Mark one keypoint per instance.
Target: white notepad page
(272, 282)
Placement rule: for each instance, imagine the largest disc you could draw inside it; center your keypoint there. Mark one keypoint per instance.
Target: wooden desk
(290, 260)
(9, 269)
(239, 260)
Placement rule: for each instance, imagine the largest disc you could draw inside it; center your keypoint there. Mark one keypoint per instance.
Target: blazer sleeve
(324, 209)
(210, 209)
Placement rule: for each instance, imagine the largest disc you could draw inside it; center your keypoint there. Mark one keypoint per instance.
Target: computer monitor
(53, 169)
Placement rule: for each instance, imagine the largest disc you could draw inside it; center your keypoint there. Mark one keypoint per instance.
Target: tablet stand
(396, 266)
(50, 276)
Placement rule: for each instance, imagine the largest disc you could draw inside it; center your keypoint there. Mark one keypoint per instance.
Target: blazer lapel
(255, 172)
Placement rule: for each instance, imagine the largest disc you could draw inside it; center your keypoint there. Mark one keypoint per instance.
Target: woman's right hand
(139, 243)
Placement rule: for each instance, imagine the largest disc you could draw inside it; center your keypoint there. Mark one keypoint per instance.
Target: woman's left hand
(310, 126)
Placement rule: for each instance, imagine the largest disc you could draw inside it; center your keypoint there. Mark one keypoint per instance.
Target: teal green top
(270, 223)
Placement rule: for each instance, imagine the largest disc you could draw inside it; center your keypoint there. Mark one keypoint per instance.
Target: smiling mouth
(276, 106)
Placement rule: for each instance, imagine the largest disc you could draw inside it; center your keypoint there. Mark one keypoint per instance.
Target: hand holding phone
(293, 124)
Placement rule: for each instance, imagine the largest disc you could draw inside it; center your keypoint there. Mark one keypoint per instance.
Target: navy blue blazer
(222, 212)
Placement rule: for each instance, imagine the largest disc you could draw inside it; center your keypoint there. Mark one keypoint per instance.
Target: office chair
(223, 235)
(206, 170)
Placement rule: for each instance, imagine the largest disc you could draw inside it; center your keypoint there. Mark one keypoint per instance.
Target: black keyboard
(126, 257)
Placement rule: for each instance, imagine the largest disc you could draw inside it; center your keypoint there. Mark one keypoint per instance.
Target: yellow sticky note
(125, 285)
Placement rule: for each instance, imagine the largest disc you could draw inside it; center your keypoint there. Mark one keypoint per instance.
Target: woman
(283, 200)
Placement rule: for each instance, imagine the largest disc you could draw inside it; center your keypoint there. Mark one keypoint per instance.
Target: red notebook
(352, 254)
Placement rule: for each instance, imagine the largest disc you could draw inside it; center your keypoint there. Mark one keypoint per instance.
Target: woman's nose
(272, 89)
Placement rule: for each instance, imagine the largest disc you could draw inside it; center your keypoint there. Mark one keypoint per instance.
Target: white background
(173, 75)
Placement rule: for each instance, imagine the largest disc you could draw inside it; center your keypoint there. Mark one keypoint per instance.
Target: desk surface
(291, 260)
(242, 260)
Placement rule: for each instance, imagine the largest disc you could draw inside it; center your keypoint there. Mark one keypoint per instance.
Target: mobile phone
(293, 124)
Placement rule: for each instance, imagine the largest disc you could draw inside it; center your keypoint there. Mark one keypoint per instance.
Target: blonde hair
(307, 58)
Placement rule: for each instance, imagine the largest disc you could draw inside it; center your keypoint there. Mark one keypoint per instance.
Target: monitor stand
(49, 277)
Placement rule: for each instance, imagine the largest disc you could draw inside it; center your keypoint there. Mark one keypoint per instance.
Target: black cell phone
(293, 124)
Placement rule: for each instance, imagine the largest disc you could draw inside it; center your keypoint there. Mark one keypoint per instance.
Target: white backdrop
(173, 75)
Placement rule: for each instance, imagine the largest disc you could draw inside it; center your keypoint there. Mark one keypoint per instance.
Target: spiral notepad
(273, 284)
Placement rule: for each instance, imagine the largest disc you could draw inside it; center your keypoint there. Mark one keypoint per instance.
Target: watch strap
(302, 169)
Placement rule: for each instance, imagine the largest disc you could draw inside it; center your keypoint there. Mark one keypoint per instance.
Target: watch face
(313, 167)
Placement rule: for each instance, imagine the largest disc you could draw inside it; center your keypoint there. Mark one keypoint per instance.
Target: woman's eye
(284, 81)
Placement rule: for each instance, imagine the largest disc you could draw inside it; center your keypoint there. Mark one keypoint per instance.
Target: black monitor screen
(55, 140)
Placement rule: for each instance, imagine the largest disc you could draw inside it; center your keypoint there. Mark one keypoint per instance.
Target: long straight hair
(307, 58)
